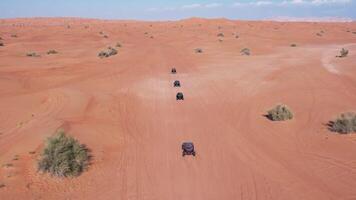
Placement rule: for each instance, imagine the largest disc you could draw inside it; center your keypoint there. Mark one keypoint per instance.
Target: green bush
(63, 156)
(345, 123)
(280, 113)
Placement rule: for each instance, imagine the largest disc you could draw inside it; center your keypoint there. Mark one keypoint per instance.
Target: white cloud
(292, 2)
(213, 5)
(191, 6)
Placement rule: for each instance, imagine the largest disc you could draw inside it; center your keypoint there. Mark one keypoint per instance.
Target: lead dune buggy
(188, 148)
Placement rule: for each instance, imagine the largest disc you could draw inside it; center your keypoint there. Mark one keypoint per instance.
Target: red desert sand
(124, 109)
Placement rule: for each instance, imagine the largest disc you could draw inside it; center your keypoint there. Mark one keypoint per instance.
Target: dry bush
(52, 52)
(280, 113)
(221, 35)
(107, 53)
(32, 54)
(198, 50)
(293, 45)
(343, 53)
(345, 123)
(245, 51)
(1, 44)
(63, 156)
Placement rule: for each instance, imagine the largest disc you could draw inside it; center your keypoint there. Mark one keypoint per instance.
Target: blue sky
(168, 9)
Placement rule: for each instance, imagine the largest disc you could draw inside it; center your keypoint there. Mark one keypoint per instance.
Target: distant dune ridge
(310, 19)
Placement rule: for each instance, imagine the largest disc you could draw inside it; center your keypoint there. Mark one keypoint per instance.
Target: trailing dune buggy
(188, 148)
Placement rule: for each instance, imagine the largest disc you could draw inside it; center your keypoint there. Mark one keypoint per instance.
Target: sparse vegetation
(2, 185)
(343, 53)
(63, 156)
(32, 54)
(220, 40)
(14, 35)
(1, 44)
(52, 52)
(237, 37)
(293, 45)
(319, 34)
(107, 53)
(7, 165)
(280, 113)
(344, 124)
(118, 45)
(221, 35)
(16, 157)
(105, 36)
(101, 33)
(198, 50)
(245, 51)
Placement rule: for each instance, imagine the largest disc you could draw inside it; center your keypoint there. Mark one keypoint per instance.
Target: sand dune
(124, 109)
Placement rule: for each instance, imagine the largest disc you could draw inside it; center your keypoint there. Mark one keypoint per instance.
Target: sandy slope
(123, 108)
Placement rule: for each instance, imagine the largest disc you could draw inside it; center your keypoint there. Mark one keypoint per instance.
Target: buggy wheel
(193, 153)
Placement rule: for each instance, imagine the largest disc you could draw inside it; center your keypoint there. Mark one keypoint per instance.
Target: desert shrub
(118, 45)
(245, 51)
(237, 37)
(319, 34)
(345, 123)
(107, 53)
(198, 50)
(354, 32)
(343, 53)
(280, 113)
(220, 40)
(105, 36)
(101, 33)
(0, 38)
(63, 156)
(52, 52)
(293, 45)
(1, 44)
(32, 54)
(221, 35)
(14, 35)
